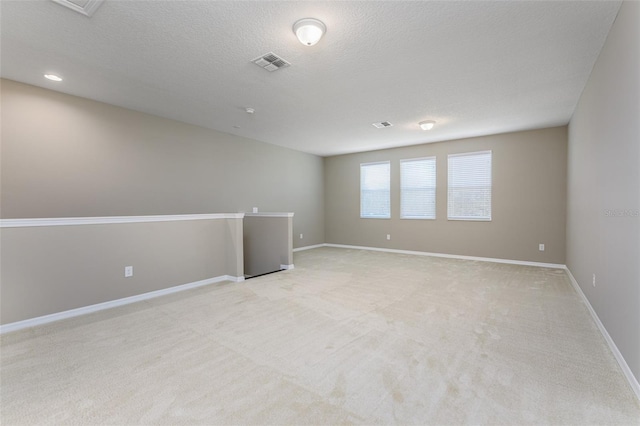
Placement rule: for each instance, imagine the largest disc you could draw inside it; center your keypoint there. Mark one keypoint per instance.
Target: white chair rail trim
(68, 221)
(270, 214)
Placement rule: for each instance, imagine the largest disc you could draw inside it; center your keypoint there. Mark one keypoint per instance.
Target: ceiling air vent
(270, 62)
(382, 124)
(86, 7)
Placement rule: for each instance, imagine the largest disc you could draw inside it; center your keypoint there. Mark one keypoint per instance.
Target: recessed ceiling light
(53, 77)
(427, 125)
(249, 110)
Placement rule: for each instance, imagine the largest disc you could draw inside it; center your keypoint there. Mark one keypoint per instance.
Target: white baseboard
(287, 267)
(308, 247)
(633, 382)
(452, 256)
(32, 322)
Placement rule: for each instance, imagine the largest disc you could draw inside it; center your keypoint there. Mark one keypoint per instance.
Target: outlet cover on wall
(300, 236)
(388, 236)
(541, 247)
(128, 271)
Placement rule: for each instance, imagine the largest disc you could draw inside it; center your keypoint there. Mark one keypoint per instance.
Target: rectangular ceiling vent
(86, 7)
(382, 124)
(270, 62)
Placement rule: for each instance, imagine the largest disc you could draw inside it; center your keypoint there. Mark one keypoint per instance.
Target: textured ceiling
(476, 68)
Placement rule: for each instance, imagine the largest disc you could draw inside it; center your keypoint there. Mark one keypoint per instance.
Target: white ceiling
(476, 68)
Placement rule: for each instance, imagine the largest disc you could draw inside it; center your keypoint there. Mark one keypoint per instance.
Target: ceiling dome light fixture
(427, 125)
(309, 31)
(53, 77)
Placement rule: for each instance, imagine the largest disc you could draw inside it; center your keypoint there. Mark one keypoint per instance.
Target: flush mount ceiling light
(53, 77)
(309, 31)
(427, 125)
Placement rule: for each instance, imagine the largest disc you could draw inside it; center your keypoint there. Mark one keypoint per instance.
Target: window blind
(375, 190)
(469, 186)
(418, 188)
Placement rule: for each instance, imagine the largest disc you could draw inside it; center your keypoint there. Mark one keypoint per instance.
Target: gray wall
(529, 200)
(604, 179)
(267, 244)
(64, 156)
(51, 269)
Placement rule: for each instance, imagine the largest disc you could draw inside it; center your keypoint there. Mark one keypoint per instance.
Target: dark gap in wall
(248, 277)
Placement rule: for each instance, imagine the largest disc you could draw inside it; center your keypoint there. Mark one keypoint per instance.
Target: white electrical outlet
(128, 271)
(255, 210)
(388, 236)
(300, 236)
(594, 280)
(541, 247)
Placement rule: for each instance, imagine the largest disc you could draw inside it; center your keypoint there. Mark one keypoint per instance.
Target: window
(418, 188)
(469, 195)
(375, 190)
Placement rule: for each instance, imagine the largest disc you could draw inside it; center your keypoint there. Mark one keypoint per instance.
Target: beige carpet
(348, 336)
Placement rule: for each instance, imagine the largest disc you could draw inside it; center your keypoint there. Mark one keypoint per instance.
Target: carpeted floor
(348, 336)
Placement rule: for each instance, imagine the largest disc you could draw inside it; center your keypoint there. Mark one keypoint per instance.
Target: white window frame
(403, 194)
(387, 215)
(451, 215)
